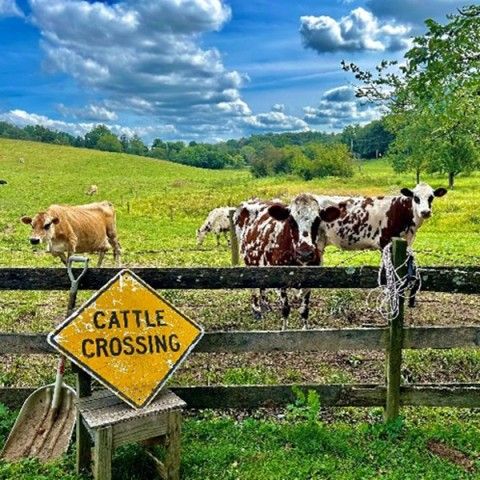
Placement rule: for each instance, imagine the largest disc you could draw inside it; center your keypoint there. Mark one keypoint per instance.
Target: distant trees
(369, 141)
(435, 93)
(309, 161)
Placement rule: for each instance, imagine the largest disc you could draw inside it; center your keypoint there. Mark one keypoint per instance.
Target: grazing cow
(92, 190)
(76, 229)
(370, 223)
(271, 233)
(218, 223)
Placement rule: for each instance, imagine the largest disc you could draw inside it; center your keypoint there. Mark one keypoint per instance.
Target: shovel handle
(74, 282)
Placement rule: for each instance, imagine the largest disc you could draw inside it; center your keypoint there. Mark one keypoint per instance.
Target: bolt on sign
(128, 338)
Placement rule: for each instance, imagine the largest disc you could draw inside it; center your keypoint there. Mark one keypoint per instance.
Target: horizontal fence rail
(327, 340)
(437, 279)
(256, 396)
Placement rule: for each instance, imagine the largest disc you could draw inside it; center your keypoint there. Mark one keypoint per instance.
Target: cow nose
(306, 255)
(34, 241)
(426, 213)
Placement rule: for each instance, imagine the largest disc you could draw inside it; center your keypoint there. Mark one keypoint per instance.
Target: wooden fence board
(440, 279)
(326, 340)
(254, 396)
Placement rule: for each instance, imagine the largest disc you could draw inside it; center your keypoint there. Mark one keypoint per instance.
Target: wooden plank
(139, 428)
(103, 453)
(441, 279)
(326, 339)
(173, 446)
(83, 458)
(354, 395)
(393, 355)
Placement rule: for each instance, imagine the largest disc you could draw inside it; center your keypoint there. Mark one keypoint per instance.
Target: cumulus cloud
(143, 57)
(23, 118)
(275, 121)
(413, 11)
(339, 107)
(9, 8)
(91, 112)
(359, 30)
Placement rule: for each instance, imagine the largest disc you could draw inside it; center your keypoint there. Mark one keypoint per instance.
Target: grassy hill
(160, 204)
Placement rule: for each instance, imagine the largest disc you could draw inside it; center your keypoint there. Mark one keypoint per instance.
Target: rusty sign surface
(128, 338)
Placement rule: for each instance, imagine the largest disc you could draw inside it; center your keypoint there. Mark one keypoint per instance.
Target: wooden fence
(392, 339)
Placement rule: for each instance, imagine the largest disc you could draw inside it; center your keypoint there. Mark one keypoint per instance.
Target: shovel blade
(39, 432)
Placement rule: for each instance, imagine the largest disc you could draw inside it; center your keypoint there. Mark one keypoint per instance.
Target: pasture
(159, 206)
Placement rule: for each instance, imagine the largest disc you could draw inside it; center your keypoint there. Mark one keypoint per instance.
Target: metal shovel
(44, 426)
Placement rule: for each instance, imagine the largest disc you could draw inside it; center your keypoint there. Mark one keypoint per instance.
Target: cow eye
(430, 199)
(416, 199)
(47, 226)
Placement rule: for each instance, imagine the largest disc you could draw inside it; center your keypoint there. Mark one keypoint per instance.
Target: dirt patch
(451, 454)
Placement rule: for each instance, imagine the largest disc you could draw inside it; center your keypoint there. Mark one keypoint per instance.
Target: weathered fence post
(233, 239)
(84, 444)
(395, 342)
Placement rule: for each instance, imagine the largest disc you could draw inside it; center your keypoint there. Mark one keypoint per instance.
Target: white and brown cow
(370, 223)
(218, 223)
(76, 229)
(274, 234)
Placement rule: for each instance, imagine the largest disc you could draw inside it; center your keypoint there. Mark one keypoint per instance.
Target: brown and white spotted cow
(76, 229)
(370, 223)
(274, 234)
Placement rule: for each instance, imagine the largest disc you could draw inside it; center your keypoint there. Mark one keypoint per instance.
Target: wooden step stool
(109, 422)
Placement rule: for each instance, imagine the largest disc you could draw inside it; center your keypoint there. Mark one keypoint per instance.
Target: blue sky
(200, 70)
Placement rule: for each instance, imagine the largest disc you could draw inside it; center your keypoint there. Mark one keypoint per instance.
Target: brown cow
(76, 229)
(274, 234)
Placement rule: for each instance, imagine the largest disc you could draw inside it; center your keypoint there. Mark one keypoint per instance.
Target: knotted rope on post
(391, 286)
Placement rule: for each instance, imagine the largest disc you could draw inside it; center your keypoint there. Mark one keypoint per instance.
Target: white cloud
(91, 112)
(23, 118)
(339, 107)
(275, 121)
(9, 8)
(143, 57)
(359, 30)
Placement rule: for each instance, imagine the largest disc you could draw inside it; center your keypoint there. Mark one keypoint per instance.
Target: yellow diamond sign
(128, 338)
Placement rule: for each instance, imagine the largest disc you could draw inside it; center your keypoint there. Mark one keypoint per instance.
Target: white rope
(385, 299)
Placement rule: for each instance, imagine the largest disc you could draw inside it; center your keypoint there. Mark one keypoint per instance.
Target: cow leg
(256, 306)
(101, 256)
(264, 305)
(285, 307)
(412, 281)
(227, 237)
(305, 306)
(117, 250)
(217, 236)
(62, 257)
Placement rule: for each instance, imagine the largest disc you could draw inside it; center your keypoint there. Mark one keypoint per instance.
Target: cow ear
(440, 192)
(279, 212)
(26, 220)
(55, 220)
(407, 192)
(330, 214)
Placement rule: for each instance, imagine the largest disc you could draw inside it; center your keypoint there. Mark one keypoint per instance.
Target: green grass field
(159, 206)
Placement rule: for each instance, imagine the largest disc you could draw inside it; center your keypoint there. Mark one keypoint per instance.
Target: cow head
(305, 217)
(422, 197)
(43, 227)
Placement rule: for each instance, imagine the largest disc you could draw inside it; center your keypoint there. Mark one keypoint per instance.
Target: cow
(370, 223)
(69, 229)
(274, 234)
(92, 190)
(218, 223)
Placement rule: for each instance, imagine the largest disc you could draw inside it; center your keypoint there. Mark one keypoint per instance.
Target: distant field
(160, 204)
